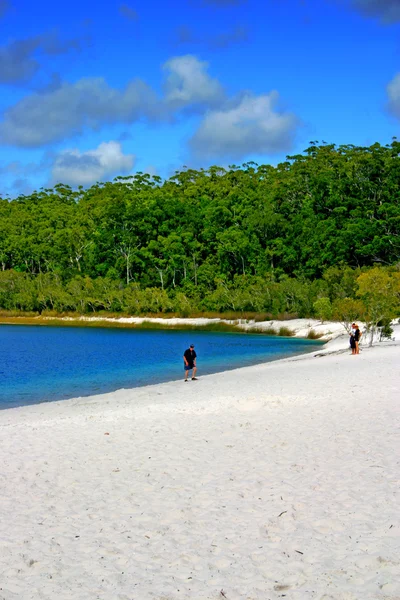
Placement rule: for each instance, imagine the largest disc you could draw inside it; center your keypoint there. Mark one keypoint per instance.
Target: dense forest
(295, 238)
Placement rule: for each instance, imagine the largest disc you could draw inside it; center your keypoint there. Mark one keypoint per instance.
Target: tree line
(294, 238)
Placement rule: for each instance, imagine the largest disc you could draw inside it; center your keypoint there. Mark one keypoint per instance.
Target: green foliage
(379, 290)
(348, 311)
(313, 335)
(386, 329)
(285, 332)
(16, 292)
(265, 239)
(323, 309)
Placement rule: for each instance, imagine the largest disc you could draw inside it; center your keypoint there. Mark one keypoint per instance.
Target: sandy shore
(272, 481)
(301, 328)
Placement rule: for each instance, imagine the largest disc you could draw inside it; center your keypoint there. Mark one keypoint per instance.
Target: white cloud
(251, 125)
(42, 118)
(188, 84)
(393, 92)
(85, 168)
(230, 128)
(67, 109)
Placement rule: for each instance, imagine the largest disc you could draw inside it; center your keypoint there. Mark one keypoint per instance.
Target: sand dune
(272, 481)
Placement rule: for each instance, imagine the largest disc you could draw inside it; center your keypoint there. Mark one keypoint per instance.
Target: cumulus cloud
(387, 10)
(251, 125)
(230, 128)
(42, 118)
(85, 168)
(18, 60)
(393, 92)
(67, 109)
(188, 84)
(128, 12)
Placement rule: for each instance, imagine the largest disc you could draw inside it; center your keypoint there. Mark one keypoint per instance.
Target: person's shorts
(188, 367)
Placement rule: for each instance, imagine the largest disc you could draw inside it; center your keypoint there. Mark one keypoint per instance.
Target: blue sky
(92, 90)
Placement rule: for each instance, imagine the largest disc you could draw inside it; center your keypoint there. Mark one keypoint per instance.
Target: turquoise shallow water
(40, 364)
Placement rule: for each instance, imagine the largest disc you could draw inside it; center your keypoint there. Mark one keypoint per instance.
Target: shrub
(285, 332)
(313, 335)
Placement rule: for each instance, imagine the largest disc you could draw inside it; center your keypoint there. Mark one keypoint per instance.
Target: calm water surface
(40, 364)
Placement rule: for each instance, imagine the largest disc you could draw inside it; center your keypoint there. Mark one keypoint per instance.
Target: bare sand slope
(273, 481)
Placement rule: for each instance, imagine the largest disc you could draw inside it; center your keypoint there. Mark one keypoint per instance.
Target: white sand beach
(273, 481)
(299, 327)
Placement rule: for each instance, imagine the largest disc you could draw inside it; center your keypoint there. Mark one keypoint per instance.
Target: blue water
(40, 364)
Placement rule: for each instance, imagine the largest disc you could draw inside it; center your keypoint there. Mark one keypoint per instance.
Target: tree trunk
(195, 269)
(371, 339)
(160, 272)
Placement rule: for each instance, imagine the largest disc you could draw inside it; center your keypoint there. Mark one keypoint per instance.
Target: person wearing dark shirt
(352, 338)
(357, 337)
(189, 360)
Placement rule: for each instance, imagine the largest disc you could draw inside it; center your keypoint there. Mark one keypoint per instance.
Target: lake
(41, 364)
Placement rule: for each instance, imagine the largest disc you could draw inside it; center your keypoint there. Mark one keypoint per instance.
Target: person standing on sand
(357, 337)
(352, 338)
(189, 360)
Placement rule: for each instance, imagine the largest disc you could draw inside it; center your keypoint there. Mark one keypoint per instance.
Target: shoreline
(335, 342)
(333, 350)
(273, 479)
(319, 347)
(302, 328)
(334, 347)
